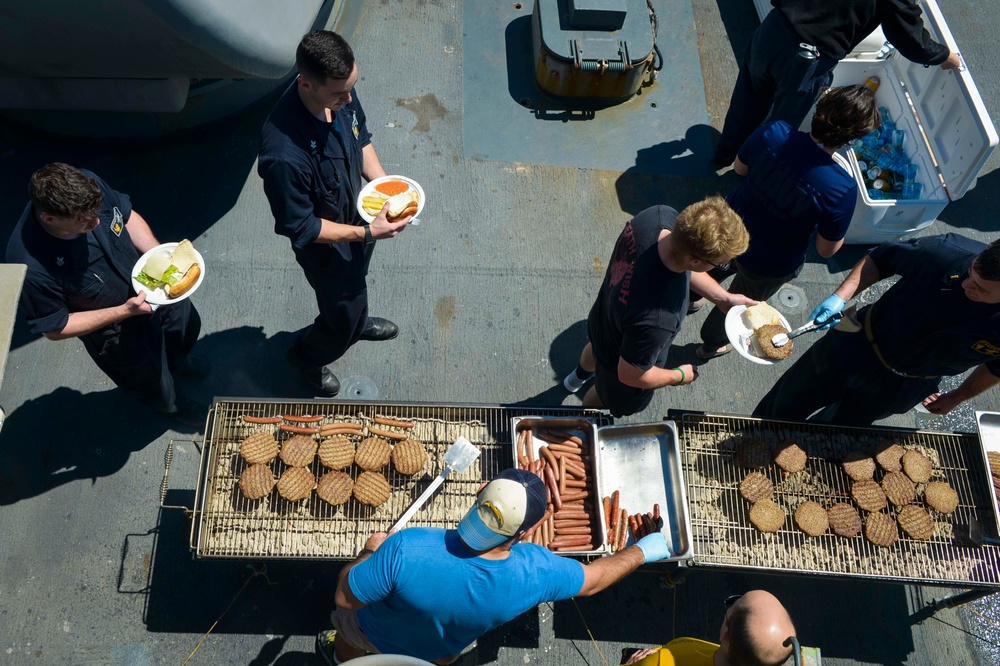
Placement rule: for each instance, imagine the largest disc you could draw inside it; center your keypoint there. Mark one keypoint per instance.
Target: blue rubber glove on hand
(831, 306)
(654, 547)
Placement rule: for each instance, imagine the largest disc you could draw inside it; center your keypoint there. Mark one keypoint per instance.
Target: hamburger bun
(763, 314)
(402, 205)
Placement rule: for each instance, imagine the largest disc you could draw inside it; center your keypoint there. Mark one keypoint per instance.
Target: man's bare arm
(81, 323)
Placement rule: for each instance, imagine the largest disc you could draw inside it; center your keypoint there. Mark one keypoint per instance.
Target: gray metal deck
(490, 292)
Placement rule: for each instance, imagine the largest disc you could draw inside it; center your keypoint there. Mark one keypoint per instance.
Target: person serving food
(80, 240)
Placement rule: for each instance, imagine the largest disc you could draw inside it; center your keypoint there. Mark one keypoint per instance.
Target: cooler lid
(956, 125)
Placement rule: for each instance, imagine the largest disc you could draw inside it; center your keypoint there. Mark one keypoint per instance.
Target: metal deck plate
(663, 130)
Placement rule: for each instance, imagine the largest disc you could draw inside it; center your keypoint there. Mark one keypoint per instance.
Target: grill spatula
(458, 458)
(781, 339)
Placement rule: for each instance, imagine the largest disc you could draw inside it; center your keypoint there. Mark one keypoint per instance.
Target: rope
(258, 570)
(587, 627)
(985, 640)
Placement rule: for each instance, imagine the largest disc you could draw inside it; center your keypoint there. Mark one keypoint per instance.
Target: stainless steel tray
(586, 428)
(643, 462)
(989, 436)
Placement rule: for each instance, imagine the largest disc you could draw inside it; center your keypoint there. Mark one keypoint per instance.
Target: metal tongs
(781, 339)
(458, 458)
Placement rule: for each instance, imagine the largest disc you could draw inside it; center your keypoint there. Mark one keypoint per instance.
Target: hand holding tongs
(781, 339)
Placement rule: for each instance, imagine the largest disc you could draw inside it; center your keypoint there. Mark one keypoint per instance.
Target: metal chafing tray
(586, 428)
(643, 462)
(988, 424)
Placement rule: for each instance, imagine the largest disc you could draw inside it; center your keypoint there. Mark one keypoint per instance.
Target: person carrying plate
(793, 187)
(80, 240)
(659, 255)
(941, 318)
(315, 149)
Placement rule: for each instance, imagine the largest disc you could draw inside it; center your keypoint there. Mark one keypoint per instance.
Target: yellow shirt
(682, 652)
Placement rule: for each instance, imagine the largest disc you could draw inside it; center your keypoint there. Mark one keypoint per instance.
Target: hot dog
(185, 284)
(566, 448)
(386, 421)
(607, 512)
(567, 436)
(298, 430)
(547, 455)
(553, 485)
(623, 535)
(572, 523)
(339, 430)
(261, 419)
(575, 495)
(295, 418)
(574, 540)
(388, 434)
(615, 499)
(634, 525)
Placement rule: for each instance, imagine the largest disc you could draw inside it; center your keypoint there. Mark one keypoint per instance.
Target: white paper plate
(741, 335)
(154, 296)
(370, 189)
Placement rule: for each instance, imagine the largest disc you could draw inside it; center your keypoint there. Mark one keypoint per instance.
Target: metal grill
(720, 518)
(227, 525)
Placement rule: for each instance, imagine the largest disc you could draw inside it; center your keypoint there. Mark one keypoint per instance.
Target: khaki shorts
(346, 623)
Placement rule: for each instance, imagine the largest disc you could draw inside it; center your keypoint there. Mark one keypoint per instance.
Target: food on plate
(298, 451)
(762, 314)
(372, 489)
(296, 483)
(844, 519)
(916, 522)
(409, 457)
(175, 273)
(898, 488)
(868, 494)
(881, 529)
(767, 516)
(336, 452)
(335, 488)
(373, 203)
(259, 448)
(859, 465)
(256, 481)
(917, 466)
(764, 336)
(391, 188)
(373, 454)
(889, 456)
(402, 205)
(811, 518)
(790, 458)
(941, 497)
(755, 487)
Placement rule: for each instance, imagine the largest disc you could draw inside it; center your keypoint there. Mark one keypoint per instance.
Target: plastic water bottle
(898, 138)
(911, 191)
(875, 195)
(883, 113)
(910, 173)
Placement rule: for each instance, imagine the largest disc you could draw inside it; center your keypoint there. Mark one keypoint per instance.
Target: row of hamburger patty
(335, 487)
(905, 472)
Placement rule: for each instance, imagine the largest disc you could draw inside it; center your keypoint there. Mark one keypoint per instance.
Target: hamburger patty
(256, 481)
(765, 334)
(844, 519)
(811, 518)
(790, 458)
(859, 465)
(409, 457)
(767, 516)
(755, 487)
(335, 487)
(372, 489)
(881, 529)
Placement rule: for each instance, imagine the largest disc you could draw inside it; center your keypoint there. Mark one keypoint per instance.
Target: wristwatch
(368, 234)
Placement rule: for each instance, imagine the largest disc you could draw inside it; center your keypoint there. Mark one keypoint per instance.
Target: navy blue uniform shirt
(312, 169)
(90, 272)
(925, 324)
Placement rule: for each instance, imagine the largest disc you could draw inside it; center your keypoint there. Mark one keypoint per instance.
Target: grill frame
(960, 459)
(227, 526)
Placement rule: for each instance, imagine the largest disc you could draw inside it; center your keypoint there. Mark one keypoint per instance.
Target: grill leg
(949, 602)
(674, 577)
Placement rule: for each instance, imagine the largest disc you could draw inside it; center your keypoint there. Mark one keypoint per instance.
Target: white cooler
(949, 134)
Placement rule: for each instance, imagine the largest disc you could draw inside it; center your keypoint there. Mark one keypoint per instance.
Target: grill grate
(724, 537)
(228, 525)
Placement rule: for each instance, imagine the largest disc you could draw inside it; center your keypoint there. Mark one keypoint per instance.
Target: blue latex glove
(831, 306)
(654, 547)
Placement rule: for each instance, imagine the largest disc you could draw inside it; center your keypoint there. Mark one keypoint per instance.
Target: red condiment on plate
(391, 188)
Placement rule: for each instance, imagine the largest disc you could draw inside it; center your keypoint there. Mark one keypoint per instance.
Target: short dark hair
(64, 191)
(844, 114)
(323, 55)
(743, 648)
(987, 264)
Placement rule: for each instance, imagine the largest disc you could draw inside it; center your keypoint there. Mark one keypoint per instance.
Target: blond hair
(711, 230)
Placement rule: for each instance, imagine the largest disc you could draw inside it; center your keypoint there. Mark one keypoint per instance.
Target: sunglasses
(730, 600)
(721, 267)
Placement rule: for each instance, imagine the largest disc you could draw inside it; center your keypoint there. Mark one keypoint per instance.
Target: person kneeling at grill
(430, 593)
(755, 630)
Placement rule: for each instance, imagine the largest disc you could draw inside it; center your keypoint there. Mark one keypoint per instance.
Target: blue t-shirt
(793, 187)
(429, 596)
